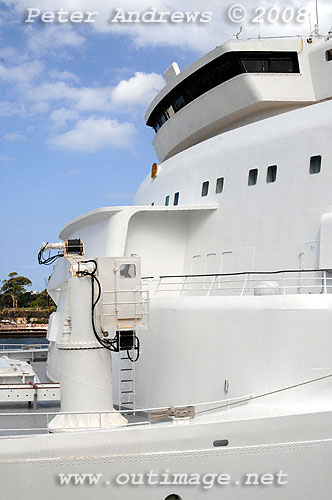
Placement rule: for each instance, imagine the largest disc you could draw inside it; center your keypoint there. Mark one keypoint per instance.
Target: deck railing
(32, 422)
(243, 284)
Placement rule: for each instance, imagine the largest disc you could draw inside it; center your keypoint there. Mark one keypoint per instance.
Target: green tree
(14, 287)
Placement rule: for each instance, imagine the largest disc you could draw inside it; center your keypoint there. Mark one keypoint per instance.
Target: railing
(125, 305)
(243, 284)
(23, 347)
(139, 417)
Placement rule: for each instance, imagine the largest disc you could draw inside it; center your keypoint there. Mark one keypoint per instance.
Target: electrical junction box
(123, 304)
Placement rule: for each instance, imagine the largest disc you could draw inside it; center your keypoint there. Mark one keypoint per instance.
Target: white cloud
(82, 98)
(95, 134)
(60, 117)
(14, 137)
(138, 90)
(8, 108)
(62, 75)
(48, 39)
(21, 73)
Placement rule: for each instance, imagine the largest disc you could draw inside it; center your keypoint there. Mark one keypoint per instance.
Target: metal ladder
(127, 385)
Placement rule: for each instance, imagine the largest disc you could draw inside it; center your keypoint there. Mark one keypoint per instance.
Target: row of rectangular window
(175, 199)
(271, 176)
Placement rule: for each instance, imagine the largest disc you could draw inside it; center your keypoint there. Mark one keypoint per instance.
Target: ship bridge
(236, 84)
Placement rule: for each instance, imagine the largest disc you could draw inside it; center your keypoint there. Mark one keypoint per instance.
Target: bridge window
(176, 199)
(205, 188)
(128, 271)
(315, 164)
(220, 185)
(253, 176)
(218, 71)
(328, 55)
(271, 175)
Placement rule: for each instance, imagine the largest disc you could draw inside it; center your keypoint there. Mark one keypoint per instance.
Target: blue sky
(72, 103)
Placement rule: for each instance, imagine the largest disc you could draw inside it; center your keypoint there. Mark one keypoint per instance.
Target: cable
(277, 391)
(110, 345)
(50, 259)
(134, 360)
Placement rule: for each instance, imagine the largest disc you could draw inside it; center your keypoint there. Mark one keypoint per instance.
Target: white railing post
(325, 284)
(244, 284)
(212, 284)
(183, 284)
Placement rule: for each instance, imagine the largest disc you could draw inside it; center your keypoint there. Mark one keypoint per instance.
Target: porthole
(205, 188)
(220, 185)
(173, 497)
(315, 165)
(271, 175)
(218, 443)
(253, 176)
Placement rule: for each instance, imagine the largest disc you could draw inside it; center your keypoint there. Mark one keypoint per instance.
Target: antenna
(239, 33)
(317, 14)
(316, 29)
(310, 25)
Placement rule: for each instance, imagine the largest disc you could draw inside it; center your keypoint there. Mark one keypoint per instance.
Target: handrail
(246, 272)
(25, 347)
(245, 284)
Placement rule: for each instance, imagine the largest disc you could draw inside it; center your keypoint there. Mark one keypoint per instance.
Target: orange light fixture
(154, 170)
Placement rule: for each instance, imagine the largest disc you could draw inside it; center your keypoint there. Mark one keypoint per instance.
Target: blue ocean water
(28, 340)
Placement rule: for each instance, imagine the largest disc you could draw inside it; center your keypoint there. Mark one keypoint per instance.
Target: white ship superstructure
(219, 277)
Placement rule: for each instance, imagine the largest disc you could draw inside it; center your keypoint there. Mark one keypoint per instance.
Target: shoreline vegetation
(20, 307)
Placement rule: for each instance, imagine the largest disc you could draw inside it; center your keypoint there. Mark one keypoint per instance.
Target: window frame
(222, 185)
(205, 189)
(312, 166)
(274, 170)
(250, 180)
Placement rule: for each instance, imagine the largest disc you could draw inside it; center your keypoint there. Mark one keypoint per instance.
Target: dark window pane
(167, 201)
(214, 79)
(279, 65)
(187, 96)
(194, 91)
(179, 103)
(220, 185)
(205, 188)
(253, 175)
(271, 174)
(328, 55)
(255, 65)
(176, 198)
(204, 85)
(315, 164)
